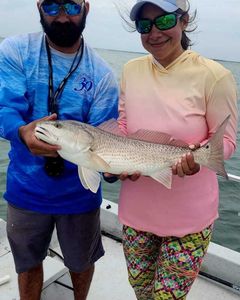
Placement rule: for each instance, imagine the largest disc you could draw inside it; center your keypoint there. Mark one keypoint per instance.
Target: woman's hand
(34, 145)
(186, 164)
(135, 176)
(123, 176)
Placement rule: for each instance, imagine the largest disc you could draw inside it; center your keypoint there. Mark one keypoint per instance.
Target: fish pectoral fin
(164, 177)
(82, 179)
(90, 179)
(99, 163)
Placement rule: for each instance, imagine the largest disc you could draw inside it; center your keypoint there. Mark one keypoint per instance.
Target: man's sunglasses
(52, 9)
(162, 23)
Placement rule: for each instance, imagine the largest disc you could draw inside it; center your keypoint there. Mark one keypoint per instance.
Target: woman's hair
(191, 26)
(186, 42)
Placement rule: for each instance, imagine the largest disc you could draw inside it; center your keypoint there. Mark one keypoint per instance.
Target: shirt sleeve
(105, 103)
(13, 103)
(222, 101)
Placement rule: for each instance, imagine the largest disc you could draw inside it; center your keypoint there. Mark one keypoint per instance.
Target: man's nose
(62, 17)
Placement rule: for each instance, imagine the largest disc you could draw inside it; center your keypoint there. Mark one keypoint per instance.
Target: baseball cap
(166, 5)
(76, 1)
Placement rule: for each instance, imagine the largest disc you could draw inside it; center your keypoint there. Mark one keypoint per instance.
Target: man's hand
(34, 145)
(186, 164)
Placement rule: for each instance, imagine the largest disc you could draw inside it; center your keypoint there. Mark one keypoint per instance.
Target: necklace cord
(54, 96)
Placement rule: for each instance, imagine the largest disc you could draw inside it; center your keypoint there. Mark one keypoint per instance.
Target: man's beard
(63, 34)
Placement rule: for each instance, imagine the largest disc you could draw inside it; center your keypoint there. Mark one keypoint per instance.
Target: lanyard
(53, 96)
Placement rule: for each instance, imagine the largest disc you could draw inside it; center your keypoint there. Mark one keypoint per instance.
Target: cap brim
(166, 6)
(76, 1)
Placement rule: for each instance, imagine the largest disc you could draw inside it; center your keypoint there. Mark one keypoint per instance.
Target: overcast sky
(217, 35)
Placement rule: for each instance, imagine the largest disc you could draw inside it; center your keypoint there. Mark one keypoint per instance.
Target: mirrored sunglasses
(164, 22)
(52, 9)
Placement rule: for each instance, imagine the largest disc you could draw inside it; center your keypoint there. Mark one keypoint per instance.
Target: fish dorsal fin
(90, 179)
(164, 176)
(157, 138)
(111, 126)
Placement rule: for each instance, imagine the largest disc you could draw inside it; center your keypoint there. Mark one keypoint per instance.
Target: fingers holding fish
(135, 176)
(110, 178)
(36, 146)
(123, 176)
(194, 147)
(186, 166)
(179, 168)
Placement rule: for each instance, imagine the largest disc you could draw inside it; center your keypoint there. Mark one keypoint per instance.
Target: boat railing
(233, 177)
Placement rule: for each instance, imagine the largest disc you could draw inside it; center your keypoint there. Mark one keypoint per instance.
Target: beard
(63, 34)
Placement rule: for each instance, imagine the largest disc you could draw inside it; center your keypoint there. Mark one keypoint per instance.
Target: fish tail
(216, 158)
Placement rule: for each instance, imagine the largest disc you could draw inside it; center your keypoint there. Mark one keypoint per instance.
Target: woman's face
(165, 45)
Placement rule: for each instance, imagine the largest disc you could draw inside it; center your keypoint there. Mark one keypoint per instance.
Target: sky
(217, 35)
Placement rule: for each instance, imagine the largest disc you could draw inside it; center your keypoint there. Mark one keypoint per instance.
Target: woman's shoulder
(209, 65)
(139, 62)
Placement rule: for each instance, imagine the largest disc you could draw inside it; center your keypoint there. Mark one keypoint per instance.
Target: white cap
(166, 5)
(76, 1)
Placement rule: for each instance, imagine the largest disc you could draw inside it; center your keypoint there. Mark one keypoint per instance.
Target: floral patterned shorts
(163, 268)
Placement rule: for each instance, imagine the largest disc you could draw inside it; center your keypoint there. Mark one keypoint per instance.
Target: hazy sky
(217, 35)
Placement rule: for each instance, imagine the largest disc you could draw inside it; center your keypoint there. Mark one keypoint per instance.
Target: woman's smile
(159, 43)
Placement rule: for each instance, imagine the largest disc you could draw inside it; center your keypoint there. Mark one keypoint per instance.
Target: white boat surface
(219, 278)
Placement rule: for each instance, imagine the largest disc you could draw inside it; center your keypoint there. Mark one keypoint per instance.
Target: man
(48, 75)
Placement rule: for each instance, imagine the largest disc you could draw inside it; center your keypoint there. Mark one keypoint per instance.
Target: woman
(173, 90)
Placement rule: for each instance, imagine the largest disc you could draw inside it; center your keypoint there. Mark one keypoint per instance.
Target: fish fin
(216, 159)
(90, 179)
(82, 179)
(164, 177)
(99, 163)
(111, 126)
(157, 138)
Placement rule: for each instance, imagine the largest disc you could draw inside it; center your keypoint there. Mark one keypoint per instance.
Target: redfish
(103, 149)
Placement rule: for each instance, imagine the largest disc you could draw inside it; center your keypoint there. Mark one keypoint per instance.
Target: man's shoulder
(94, 55)
(99, 64)
(21, 41)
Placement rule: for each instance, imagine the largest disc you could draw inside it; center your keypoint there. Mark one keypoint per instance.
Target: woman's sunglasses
(162, 23)
(52, 9)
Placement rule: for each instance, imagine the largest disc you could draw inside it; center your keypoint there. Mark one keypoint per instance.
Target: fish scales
(129, 155)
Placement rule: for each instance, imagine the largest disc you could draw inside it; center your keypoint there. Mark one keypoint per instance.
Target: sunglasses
(52, 9)
(162, 23)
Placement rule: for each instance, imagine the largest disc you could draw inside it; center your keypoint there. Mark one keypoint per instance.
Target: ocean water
(227, 227)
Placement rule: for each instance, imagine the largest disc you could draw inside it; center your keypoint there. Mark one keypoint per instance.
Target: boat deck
(110, 279)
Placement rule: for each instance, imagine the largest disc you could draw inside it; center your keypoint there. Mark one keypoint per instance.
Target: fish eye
(58, 125)
(207, 147)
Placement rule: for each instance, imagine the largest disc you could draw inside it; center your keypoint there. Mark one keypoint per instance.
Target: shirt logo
(84, 84)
